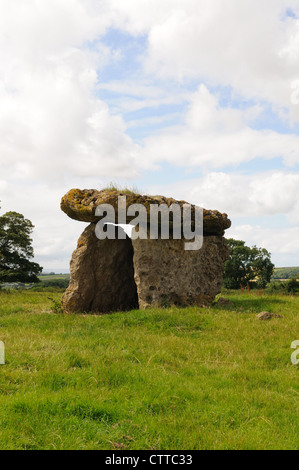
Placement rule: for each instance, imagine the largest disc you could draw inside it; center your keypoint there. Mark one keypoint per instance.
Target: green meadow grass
(189, 378)
(53, 277)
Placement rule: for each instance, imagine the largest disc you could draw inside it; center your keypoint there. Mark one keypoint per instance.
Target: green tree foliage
(290, 286)
(246, 264)
(286, 273)
(16, 249)
(55, 284)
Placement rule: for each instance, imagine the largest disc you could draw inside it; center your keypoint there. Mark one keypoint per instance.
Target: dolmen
(157, 266)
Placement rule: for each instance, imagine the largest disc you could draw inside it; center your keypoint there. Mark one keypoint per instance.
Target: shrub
(292, 285)
(53, 283)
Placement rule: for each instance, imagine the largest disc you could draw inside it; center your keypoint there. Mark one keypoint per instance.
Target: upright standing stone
(166, 274)
(102, 275)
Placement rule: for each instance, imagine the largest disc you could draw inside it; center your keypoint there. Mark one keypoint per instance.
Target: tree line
(16, 251)
(285, 273)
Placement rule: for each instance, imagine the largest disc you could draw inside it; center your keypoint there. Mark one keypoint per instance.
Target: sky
(193, 99)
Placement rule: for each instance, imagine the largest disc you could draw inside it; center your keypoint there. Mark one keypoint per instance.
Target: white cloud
(131, 96)
(228, 43)
(51, 122)
(259, 195)
(281, 242)
(214, 137)
(224, 43)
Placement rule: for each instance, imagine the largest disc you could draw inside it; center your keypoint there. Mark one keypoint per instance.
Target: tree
(246, 264)
(292, 285)
(16, 249)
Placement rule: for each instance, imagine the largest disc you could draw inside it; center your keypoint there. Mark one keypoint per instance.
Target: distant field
(279, 273)
(53, 277)
(51, 282)
(285, 273)
(193, 378)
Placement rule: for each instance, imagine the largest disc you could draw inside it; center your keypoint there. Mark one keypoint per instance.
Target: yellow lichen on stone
(81, 205)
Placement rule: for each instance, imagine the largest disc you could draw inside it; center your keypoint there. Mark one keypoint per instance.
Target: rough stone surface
(267, 316)
(166, 274)
(102, 276)
(81, 205)
(113, 275)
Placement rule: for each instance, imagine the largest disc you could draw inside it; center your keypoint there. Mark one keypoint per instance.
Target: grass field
(215, 378)
(52, 277)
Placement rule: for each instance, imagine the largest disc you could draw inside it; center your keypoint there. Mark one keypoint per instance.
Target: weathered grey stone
(81, 205)
(113, 275)
(166, 274)
(102, 276)
(267, 316)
